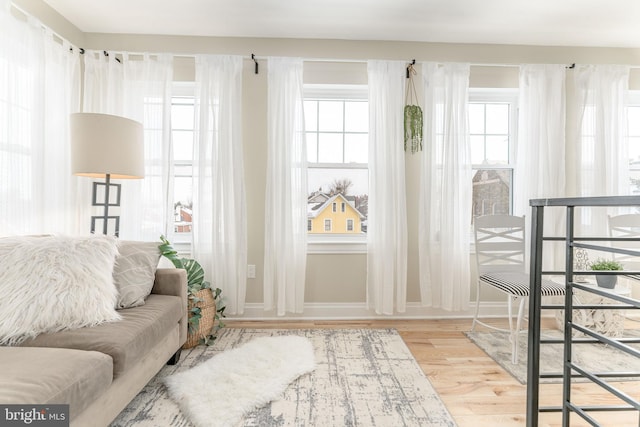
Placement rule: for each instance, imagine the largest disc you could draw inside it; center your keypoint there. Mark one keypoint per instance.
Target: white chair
(500, 244)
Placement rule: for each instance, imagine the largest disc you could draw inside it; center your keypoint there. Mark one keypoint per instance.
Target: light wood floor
(475, 389)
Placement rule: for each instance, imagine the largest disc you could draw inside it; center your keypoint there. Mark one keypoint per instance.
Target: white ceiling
(606, 23)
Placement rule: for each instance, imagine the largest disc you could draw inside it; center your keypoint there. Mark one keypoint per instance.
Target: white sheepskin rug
(218, 392)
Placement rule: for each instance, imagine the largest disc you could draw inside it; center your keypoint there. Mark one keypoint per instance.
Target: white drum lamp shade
(109, 147)
(103, 144)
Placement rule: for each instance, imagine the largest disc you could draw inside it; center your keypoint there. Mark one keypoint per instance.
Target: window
(349, 225)
(17, 143)
(327, 225)
(309, 225)
(634, 143)
(589, 151)
(182, 134)
(337, 137)
(492, 124)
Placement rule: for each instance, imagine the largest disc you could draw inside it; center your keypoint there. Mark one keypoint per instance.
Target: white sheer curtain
(285, 250)
(540, 154)
(138, 87)
(445, 188)
(39, 88)
(602, 167)
(219, 205)
(387, 222)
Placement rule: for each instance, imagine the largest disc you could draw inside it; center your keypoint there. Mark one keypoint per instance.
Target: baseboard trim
(347, 311)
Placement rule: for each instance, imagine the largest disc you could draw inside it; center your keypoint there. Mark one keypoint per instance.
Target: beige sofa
(98, 370)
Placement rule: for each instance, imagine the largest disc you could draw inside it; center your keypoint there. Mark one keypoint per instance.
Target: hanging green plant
(413, 128)
(412, 115)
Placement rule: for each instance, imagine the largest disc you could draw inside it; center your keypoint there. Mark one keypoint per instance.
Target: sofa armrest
(173, 281)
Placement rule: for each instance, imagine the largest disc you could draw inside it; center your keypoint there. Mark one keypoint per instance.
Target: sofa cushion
(126, 340)
(135, 271)
(53, 375)
(53, 283)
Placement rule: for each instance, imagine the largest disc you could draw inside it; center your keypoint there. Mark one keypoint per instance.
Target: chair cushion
(515, 283)
(127, 340)
(53, 375)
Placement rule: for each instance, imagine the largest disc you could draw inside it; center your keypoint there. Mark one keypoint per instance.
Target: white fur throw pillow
(135, 271)
(53, 283)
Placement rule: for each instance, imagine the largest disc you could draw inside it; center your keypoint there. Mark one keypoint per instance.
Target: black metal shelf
(570, 369)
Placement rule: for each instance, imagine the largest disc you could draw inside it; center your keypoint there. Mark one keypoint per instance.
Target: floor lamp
(109, 147)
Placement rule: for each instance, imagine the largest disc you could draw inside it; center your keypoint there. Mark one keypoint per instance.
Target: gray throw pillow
(134, 272)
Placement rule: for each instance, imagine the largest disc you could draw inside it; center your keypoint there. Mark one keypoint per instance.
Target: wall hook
(410, 67)
(256, 62)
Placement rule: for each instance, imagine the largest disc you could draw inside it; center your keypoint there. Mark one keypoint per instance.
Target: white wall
(332, 280)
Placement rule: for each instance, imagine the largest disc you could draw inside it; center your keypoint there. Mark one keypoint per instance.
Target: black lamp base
(105, 218)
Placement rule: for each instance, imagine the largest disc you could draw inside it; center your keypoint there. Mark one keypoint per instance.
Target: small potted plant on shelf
(606, 280)
(204, 305)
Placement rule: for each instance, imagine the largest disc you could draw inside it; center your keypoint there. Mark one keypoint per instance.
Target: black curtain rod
(253, 57)
(107, 55)
(81, 50)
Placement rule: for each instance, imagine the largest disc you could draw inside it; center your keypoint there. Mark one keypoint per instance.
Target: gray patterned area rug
(363, 377)
(593, 357)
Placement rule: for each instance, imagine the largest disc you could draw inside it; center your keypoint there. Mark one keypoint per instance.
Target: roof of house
(315, 208)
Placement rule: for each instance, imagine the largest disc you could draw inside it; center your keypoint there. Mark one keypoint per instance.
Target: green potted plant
(606, 280)
(205, 308)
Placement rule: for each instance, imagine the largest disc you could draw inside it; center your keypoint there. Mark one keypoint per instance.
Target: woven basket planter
(208, 311)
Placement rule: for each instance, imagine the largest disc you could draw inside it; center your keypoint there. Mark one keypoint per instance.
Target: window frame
(182, 242)
(633, 102)
(336, 243)
(500, 96)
